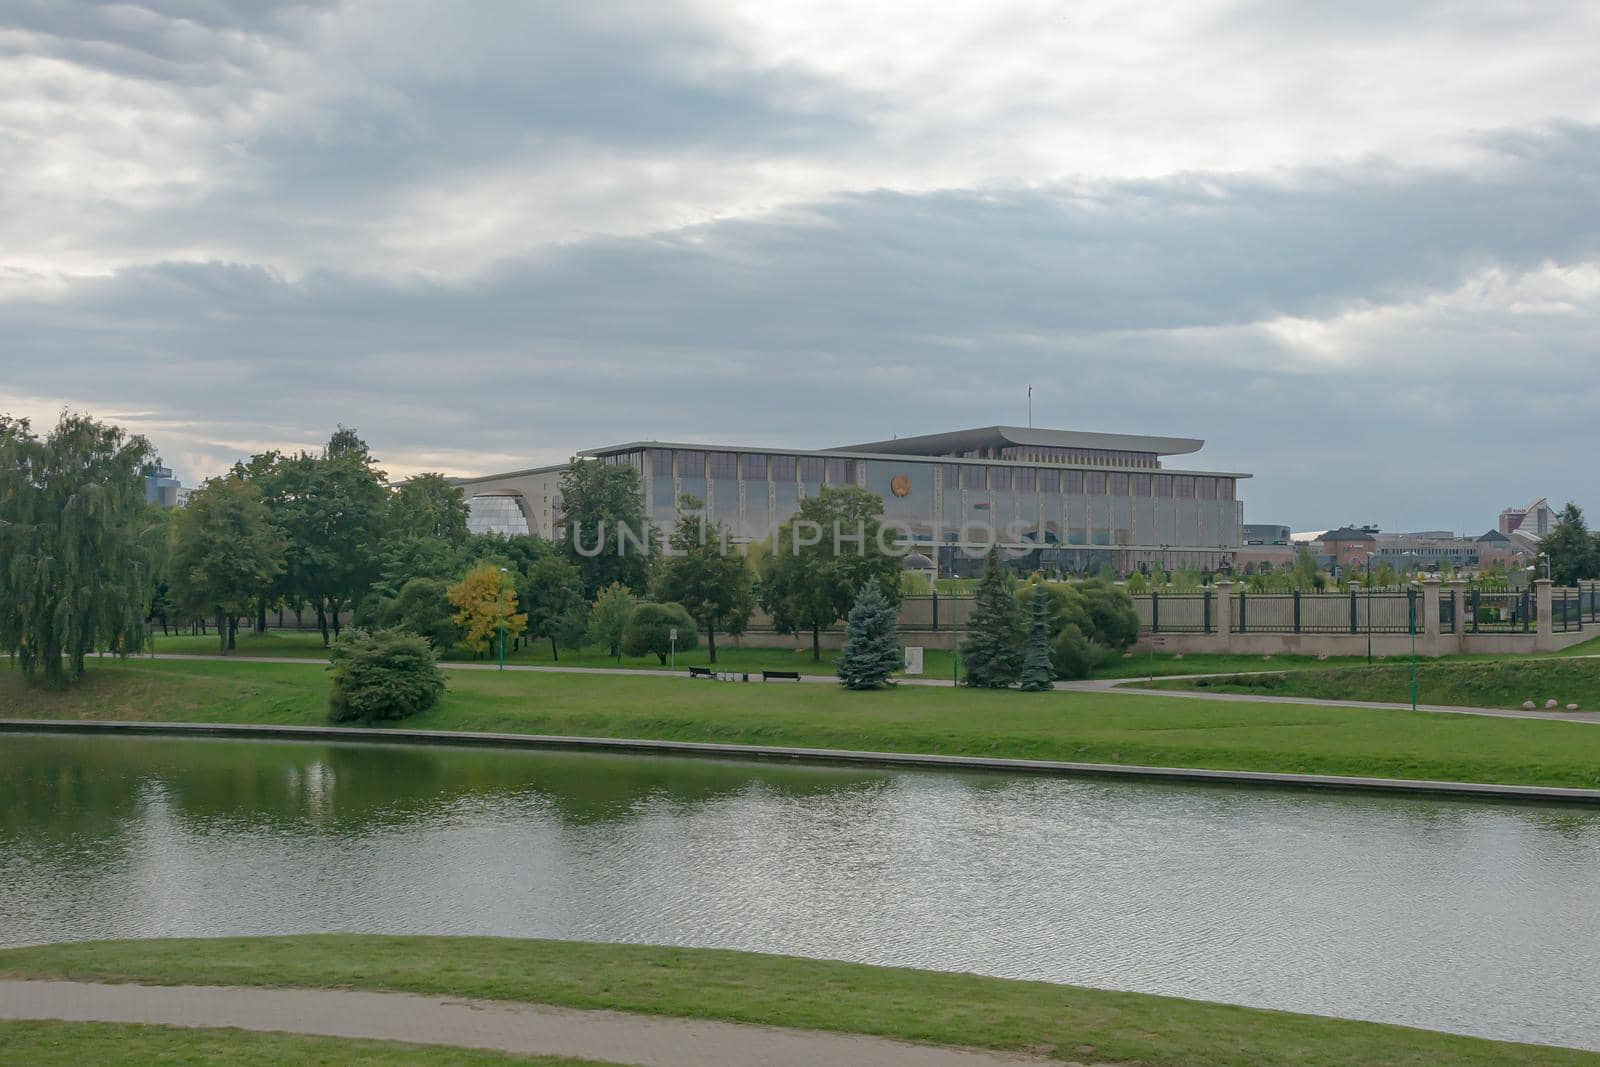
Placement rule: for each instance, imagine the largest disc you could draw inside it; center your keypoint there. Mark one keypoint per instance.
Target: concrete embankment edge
(646, 746)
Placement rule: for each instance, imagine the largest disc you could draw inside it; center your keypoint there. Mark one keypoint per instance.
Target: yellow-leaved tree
(485, 605)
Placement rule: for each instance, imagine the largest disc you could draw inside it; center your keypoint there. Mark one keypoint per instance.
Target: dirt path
(525, 1029)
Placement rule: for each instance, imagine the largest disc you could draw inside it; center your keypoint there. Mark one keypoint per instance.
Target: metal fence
(1285, 613)
(1495, 612)
(1571, 608)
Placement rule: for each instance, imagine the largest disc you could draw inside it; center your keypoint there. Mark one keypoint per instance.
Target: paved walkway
(1129, 687)
(1124, 686)
(522, 1029)
(455, 665)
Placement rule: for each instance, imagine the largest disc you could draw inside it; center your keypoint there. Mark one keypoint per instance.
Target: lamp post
(1369, 609)
(1412, 599)
(502, 626)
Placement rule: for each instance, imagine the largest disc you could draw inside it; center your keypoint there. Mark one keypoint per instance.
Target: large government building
(1053, 499)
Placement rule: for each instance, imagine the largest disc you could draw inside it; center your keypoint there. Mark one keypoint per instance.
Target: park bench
(791, 676)
(702, 672)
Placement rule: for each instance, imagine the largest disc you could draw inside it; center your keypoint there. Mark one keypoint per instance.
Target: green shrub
(1073, 655)
(649, 630)
(423, 607)
(390, 674)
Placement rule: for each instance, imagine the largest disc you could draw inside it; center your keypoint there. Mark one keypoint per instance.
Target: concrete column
(1430, 610)
(1547, 626)
(1224, 612)
(1458, 596)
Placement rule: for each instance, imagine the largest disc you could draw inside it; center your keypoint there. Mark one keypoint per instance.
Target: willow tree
(80, 549)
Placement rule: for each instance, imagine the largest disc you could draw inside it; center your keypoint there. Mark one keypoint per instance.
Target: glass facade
(1070, 519)
(496, 514)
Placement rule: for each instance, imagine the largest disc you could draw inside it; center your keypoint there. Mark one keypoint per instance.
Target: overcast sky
(1354, 245)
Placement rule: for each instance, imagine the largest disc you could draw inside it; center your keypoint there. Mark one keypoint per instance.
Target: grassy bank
(1489, 684)
(58, 1044)
(1089, 727)
(946, 1009)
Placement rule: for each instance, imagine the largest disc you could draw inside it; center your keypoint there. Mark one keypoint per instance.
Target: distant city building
(1266, 547)
(1348, 546)
(1053, 499)
(161, 488)
(1537, 519)
(1496, 549)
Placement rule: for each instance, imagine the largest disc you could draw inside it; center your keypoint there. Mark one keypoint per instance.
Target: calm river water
(1460, 916)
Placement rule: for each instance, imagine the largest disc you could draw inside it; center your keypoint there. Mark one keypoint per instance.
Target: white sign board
(913, 659)
(672, 634)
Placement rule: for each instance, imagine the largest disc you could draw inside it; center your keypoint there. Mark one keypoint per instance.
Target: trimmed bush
(649, 631)
(390, 674)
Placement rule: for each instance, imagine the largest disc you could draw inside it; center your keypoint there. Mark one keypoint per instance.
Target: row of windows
(690, 463)
(1098, 457)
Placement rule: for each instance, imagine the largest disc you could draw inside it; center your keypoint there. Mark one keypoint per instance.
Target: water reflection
(1460, 916)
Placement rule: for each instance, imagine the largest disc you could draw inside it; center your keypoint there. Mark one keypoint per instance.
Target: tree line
(90, 566)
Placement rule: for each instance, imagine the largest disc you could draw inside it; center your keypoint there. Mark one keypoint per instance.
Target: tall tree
(428, 506)
(486, 607)
(1571, 549)
(608, 618)
(712, 582)
(871, 652)
(227, 549)
(820, 559)
(333, 511)
(602, 506)
(80, 551)
(1036, 667)
(551, 592)
(995, 630)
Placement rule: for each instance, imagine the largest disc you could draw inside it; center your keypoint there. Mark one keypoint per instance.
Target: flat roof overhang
(837, 453)
(939, 444)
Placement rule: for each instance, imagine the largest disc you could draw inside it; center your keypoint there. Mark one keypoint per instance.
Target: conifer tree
(996, 630)
(871, 650)
(1036, 657)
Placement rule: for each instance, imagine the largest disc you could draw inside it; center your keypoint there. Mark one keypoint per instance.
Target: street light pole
(502, 626)
(1369, 609)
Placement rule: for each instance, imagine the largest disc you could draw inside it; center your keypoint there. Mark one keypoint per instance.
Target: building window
(1072, 481)
(496, 514)
(691, 464)
(973, 478)
(1139, 486)
(1023, 480)
(784, 468)
(1183, 486)
(1095, 482)
(1206, 488)
(755, 467)
(1161, 486)
(724, 465)
(1225, 488)
(811, 469)
(1000, 478)
(1118, 483)
(660, 462)
(1049, 481)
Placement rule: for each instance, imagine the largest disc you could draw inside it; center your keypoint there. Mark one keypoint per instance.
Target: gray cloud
(1133, 305)
(502, 235)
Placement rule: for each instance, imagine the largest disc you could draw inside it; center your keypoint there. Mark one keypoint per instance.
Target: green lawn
(1482, 684)
(947, 1009)
(1090, 727)
(59, 1044)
